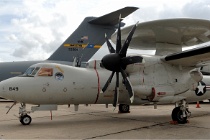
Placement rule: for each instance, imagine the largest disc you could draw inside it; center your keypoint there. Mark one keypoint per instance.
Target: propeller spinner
(117, 61)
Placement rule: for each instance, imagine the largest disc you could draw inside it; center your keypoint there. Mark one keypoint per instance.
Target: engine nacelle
(154, 94)
(160, 92)
(142, 90)
(196, 75)
(163, 94)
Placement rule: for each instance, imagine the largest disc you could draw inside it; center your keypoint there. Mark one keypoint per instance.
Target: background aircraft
(172, 77)
(80, 46)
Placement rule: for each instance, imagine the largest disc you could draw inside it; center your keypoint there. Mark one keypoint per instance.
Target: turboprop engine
(157, 81)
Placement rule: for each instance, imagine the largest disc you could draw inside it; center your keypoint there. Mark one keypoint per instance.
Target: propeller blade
(123, 51)
(107, 83)
(118, 45)
(117, 62)
(111, 49)
(128, 85)
(116, 94)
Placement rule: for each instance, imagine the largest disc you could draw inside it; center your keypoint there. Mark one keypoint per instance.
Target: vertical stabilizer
(85, 41)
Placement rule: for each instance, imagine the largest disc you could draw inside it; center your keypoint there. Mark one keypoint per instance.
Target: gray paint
(62, 55)
(95, 35)
(94, 28)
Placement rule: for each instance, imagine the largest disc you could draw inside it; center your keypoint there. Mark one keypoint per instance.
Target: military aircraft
(170, 76)
(79, 47)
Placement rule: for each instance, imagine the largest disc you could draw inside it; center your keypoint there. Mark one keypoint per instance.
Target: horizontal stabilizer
(193, 57)
(113, 18)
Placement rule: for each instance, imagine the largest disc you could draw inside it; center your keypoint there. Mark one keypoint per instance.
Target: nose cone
(2, 90)
(111, 62)
(8, 88)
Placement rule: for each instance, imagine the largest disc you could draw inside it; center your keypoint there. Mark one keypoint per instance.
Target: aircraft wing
(167, 35)
(194, 57)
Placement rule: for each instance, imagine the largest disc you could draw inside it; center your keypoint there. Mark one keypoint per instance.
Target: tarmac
(99, 122)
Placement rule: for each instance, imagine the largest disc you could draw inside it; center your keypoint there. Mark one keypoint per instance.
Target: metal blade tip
(101, 92)
(114, 108)
(137, 23)
(131, 99)
(120, 17)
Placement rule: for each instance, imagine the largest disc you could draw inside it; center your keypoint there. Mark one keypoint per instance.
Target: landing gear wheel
(123, 108)
(177, 116)
(25, 119)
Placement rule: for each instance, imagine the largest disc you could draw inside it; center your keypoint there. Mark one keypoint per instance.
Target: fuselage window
(45, 72)
(59, 76)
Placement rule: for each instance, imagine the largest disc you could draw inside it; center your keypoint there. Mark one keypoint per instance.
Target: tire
(25, 119)
(177, 116)
(123, 108)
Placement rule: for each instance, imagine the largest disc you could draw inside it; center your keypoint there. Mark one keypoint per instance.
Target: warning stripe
(82, 46)
(207, 87)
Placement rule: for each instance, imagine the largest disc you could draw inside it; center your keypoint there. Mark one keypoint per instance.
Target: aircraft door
(46, 76)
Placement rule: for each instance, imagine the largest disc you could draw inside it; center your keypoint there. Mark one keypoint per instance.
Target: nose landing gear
(25, 119)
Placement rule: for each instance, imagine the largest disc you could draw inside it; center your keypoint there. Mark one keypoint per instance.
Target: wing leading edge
(193, 57)
(167, 35)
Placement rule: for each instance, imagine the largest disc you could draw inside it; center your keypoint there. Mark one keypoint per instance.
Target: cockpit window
(45, 72)
(31, 71)
(35, 71)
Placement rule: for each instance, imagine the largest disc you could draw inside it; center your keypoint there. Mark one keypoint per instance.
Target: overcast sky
(34, 29)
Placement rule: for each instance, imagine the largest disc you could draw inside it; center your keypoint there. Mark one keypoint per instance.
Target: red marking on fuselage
(98, 82)
(161, 93)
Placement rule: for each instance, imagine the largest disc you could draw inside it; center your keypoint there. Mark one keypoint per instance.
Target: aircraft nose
(2, 90)
(10, 89)
(7, 89)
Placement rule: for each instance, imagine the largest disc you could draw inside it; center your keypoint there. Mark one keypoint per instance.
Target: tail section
(112, 19)
(85, 41)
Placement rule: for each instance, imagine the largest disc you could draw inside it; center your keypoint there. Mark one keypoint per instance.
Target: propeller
(117, 61)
